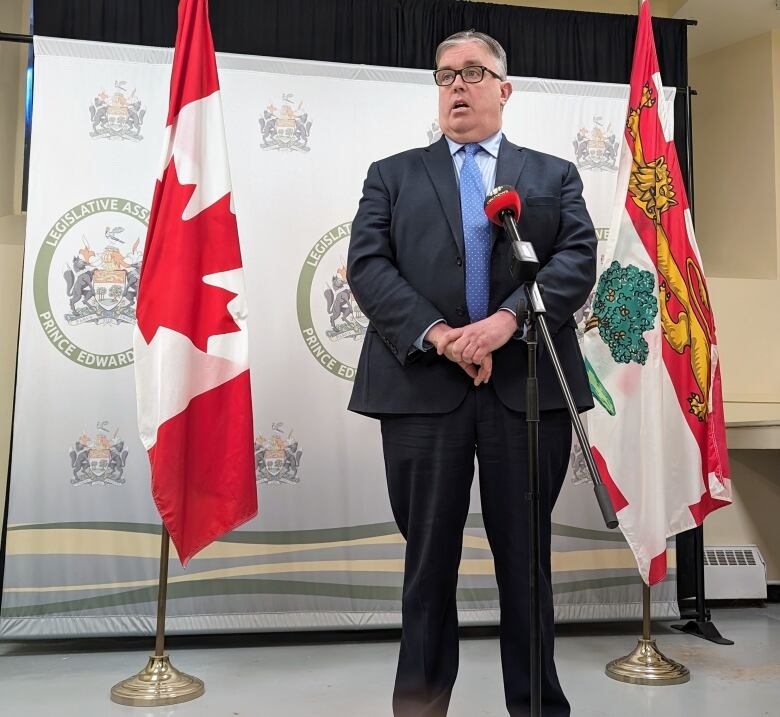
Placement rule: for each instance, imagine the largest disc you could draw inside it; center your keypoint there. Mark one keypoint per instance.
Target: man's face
(471, 112)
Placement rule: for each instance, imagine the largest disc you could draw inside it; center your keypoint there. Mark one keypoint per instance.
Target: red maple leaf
(177, 256)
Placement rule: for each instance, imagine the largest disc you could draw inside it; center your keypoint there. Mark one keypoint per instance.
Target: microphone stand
(531, 313)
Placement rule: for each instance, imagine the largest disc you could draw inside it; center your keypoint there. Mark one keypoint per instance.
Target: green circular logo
(331, 322)
(92, 288)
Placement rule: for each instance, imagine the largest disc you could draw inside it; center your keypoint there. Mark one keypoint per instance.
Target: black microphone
(502, 206)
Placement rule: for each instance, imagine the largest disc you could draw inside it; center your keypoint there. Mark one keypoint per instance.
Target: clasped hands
(472, 346)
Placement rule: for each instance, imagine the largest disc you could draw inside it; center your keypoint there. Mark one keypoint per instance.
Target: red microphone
(499, 200)
(502, 206)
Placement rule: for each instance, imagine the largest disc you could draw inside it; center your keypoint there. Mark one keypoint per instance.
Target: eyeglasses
(471, 74)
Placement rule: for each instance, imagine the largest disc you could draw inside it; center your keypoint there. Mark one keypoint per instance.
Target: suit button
(461, 311)
(459, 261)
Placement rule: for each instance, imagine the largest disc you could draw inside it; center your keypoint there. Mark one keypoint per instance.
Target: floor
(344, 675)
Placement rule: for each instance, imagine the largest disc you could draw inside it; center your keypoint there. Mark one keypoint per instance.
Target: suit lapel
(509, 167)
(438, 163)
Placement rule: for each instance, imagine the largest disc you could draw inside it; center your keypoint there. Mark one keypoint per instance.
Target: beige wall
(753, 517)
(11, 63)
(734, 160)
(736, 133)
(13, 14)
(10, 287)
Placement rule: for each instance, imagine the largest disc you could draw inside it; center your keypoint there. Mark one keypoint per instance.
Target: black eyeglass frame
(461, 71)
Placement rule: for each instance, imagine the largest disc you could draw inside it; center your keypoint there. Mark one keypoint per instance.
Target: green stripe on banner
(148, 528)
(574, 586)
(319, 535)
(237, 586)
(220, 588)
(571, 531)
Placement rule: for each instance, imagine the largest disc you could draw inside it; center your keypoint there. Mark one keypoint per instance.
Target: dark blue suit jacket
(406, 270)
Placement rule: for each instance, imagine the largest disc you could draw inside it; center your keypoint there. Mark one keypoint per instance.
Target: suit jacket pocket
(542, 201)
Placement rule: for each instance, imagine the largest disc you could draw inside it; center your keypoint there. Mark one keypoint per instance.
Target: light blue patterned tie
(476, 235)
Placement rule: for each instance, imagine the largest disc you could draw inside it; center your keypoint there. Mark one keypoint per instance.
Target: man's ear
(506, 92)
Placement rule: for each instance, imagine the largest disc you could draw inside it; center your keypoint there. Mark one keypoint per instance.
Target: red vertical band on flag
(657, 569)
(211, 461)
(194, 73)
(618, 499)
(683, 294)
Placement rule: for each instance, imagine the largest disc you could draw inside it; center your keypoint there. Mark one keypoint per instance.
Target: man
(443, 365)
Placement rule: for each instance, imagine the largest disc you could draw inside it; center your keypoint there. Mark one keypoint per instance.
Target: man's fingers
(485, 370)
(470, 353)
(456, 351)
(469, 368)
(479, 355)
(463, 349)
(446, 340)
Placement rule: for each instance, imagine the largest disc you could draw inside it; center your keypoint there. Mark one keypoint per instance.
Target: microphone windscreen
(502, 199)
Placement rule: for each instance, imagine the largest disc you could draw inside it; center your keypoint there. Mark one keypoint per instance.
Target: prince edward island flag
(657, 432)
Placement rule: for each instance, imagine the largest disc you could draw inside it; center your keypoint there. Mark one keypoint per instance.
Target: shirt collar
(490, 145)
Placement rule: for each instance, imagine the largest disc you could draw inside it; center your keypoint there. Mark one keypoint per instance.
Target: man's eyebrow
(469, 63)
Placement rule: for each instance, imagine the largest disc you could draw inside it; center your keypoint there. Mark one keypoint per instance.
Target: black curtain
(558, 44)
(400, 33)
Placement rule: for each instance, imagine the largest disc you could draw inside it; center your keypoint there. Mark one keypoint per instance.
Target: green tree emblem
(623, 309)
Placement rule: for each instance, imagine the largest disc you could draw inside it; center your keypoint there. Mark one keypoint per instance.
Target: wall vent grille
(734, 572)
(729, 556)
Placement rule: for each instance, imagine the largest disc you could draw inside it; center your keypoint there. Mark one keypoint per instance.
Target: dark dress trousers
(406, 269)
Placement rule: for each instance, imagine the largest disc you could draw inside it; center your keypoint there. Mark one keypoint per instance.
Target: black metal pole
(689, 148)
(602, 494)
(701, 626)
(698, 538)
(698, 547)
(530, 314)
(532, 418)
(15, 37)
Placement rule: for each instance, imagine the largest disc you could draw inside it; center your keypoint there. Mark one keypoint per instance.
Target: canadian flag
(657, 432)
(190, 343)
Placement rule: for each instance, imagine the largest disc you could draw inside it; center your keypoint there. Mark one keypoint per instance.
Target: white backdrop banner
(83, 536)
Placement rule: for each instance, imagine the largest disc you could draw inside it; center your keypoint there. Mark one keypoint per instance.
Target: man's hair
(491, 45)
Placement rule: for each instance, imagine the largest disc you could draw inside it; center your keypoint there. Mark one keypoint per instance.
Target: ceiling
(724, 22)
(721, 22)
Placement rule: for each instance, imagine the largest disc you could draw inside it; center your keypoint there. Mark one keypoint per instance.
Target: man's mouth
(459, 104)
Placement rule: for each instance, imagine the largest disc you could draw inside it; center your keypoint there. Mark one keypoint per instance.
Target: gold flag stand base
(647, 665)
(159, 683)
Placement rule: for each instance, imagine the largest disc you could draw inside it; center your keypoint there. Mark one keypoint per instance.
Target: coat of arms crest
(596, 148)
(434, 132)
(117, 115)
(286, 127)
(277, 458)
(102, 286)
(98, 460)
(347, 320)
